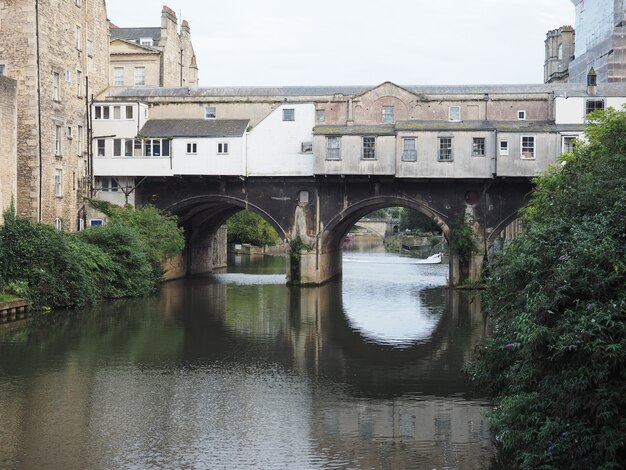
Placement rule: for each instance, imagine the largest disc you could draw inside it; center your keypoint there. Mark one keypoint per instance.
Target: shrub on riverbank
(58, 269)
(557, 303)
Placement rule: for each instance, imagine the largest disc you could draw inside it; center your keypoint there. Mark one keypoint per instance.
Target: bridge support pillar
(311, 267)
(462, 274)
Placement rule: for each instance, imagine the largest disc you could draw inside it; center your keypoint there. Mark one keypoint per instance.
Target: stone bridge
(313, 214)
(380, 227)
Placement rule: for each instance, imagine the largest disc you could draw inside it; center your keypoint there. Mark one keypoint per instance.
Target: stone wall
(8, 143)
(72, 45)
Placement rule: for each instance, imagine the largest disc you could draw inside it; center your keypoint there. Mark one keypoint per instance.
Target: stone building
(600, 44)
(58, 53)
(8, 149)
(153, 56)
(559, 52)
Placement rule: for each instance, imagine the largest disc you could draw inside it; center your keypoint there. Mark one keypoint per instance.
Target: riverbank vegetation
(58, 269)
(556, 301)
(247, 227)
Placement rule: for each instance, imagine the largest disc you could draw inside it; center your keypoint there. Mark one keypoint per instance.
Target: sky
(360, 42)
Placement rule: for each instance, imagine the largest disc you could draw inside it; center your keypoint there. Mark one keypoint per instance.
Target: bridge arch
(217, 209)
(338, 227)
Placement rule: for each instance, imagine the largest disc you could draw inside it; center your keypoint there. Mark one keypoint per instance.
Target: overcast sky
(360, 42)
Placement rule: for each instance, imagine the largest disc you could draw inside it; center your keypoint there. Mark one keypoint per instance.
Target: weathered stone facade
(165, 55)
(8, 143)
(59, 53)
(559, 52)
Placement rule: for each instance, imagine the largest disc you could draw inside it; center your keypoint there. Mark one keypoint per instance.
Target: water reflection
(225, 372)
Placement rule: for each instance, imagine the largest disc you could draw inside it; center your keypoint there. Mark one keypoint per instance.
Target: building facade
(600, 44)
(58, 56)
(158, 56)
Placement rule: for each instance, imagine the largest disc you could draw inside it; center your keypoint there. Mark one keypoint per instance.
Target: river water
(236, 370)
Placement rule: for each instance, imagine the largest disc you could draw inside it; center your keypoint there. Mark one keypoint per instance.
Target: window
(289, 114)
(69, 133)
(117, 112)
(79, 140)
(222, 148)
(559, 52)
(454, 113)
(192, 148)
(78, 41)
(478, 147)
(409, 149)
(521, 115)
(320, 115)
(129, 112)
(89, 48)
(369, 148)
(333, 148)
(210, 112)
(137, 148)
(2, 69)
(79, 83)
(303, 197)
(118, 76)
(107, 183)
(56, 83)
(100, 147)
(57, 140)
(140, 76)
(528, 146)
(593, 105)
(388, 115)
(58, 182)
(165, 143)
(306, 147)
(445, 149)
(128, 148)
(146, 42)
(117, 147)
(569, 143)
(504, 147)
(58, 223)
(77, 3)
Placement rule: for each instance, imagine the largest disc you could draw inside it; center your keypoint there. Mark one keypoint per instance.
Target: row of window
(79, 42)
(445, 148)
(114, 112)
(149, 148)
(119, 76)
(135, 147)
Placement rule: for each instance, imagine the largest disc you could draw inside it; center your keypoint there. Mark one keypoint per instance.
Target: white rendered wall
(275, 146)
(207, 161)
(120, 128)
(571, 110)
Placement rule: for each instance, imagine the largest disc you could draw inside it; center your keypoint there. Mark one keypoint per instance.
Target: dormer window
(146, 42)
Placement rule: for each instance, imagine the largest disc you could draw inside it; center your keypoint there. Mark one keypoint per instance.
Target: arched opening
(204, 219)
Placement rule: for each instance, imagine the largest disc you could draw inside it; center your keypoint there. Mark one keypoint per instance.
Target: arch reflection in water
(390, 307)
(218, 372)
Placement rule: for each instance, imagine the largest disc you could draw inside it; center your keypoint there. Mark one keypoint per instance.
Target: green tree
(247, 227)
(557, 304)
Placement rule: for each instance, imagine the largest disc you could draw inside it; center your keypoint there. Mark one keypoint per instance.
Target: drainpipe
(181, 67)
(39, 202)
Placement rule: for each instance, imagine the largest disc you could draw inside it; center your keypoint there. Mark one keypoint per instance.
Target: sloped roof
(194, 128)
(135, 48)
(135, 34)
(382, 129)
(561, 89)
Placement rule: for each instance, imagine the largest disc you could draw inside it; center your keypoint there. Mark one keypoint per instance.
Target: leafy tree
(557, 304)
(247, 227)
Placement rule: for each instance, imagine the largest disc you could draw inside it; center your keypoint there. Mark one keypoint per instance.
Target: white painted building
(281, 144)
